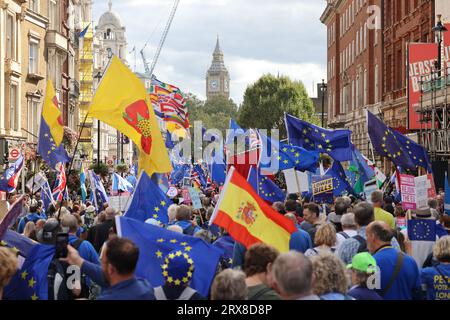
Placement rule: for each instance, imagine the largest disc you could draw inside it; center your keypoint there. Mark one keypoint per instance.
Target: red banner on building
(421, 58)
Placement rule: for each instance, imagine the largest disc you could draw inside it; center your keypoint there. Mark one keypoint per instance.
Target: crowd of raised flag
(220, 228)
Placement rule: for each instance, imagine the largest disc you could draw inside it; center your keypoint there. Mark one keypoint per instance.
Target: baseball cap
(363, 262)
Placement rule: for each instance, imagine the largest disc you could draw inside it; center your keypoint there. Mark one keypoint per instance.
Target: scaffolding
(434, 111)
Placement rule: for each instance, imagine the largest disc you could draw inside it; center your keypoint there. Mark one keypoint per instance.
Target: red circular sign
(14, 154)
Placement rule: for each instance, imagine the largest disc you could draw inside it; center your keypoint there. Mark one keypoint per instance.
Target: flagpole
(73, 157)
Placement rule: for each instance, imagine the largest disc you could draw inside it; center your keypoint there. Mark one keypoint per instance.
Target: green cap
(363, 262)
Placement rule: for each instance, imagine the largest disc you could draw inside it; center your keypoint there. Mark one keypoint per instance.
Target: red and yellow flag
(52, 115)
(122, 102)
(248, 218)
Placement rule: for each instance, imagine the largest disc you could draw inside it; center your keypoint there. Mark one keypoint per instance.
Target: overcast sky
(256, 36)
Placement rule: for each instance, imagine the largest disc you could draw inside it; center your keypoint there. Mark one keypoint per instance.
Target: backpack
(345, 235)
(362, 243)
(57, 277)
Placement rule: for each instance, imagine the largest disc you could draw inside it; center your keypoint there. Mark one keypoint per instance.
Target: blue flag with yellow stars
(179, 172)
(341, 183)
(386, 143)
(422, 230)
(158, 250)
(18, 243)
(336, 143)
(277, 156)
(199, 175)
(266, 188)
(148, 202)
(417, 153)
(30, 282)
(218, 173)
(47, 148)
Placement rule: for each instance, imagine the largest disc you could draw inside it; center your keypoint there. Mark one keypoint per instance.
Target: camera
(62, 241)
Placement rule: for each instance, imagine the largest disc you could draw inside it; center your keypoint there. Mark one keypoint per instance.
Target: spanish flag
(122, 102)
(248, 218)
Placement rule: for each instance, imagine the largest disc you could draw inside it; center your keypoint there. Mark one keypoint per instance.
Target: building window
(389, 73)
(407, 7)
(34, 5)
(33, 110)
(365, 87)
(399, 10)
(53, 14)
(13, 107)
(399, 62)
(33, 56)
(11, 52)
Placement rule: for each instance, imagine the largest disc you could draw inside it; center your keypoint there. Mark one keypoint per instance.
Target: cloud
(256, 36)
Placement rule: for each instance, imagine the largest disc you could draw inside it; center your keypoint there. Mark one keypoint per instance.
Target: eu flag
(18, 243)
(179, 172)
(447, 196)
(341, 183)
(422, 230)
(265, 187)
(417, 153)
(30, 282)
(47, 148)
(148, 201)
(156, 243)
(277, 156)
(386, 143)
(218, 173)
(336, 143)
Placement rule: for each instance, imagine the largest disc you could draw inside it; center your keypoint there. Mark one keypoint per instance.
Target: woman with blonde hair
(30, 230)
(8, 267)
(435, 280)
(329, 277)
(324, 240)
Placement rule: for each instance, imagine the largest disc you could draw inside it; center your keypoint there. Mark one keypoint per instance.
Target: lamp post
(323, 89)
(439, 30)
(98, 77)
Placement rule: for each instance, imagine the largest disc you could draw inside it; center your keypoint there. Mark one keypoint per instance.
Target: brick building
(403, 21)
(354, 65)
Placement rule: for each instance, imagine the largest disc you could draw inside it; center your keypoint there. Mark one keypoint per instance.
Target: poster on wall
(421, 58)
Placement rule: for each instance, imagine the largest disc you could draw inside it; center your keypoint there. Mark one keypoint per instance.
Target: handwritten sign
(322, 189)
(408, 190)
(196, 203)
(422, 186)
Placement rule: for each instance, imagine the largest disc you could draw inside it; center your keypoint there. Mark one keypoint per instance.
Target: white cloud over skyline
(257, 37)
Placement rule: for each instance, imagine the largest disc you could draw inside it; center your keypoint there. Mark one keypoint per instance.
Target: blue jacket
(132, 289)
(436, 280)
(86, 250)
(300, 240)
(407, 284)
(185, 224)
(29, 217)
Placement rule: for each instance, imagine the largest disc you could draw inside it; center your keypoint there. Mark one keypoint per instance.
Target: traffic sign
(14, 154)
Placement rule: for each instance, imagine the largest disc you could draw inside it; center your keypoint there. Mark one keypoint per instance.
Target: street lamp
(98, 77)
(323, 89)
(439, 30)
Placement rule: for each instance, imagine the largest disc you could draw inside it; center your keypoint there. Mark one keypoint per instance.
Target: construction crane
(149, 69)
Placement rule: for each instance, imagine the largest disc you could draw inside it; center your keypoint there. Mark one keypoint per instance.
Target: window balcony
(55, 39)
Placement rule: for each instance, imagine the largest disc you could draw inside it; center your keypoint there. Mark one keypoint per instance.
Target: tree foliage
(266, 101)
(215, 113)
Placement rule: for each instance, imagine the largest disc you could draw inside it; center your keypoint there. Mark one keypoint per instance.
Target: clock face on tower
(214, 84)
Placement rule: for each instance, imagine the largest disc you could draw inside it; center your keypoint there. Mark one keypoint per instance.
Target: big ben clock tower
(217, 78)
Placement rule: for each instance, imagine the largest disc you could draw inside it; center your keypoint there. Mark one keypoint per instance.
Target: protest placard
(196, 203)
(408, 190)
(322, 189)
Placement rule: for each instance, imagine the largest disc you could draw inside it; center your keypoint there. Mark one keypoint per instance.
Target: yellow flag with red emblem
(122, 102)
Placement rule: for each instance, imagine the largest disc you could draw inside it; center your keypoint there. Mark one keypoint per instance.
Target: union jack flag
(254, 141)
(60, 184)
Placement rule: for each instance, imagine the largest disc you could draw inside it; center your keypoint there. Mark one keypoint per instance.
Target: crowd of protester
(353, 250)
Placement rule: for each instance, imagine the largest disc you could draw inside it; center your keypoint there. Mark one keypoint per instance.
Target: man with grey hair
(364, 215)
(84, 247)
(229, 285)
(292, 276)
(348, 228)
(381, 215)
